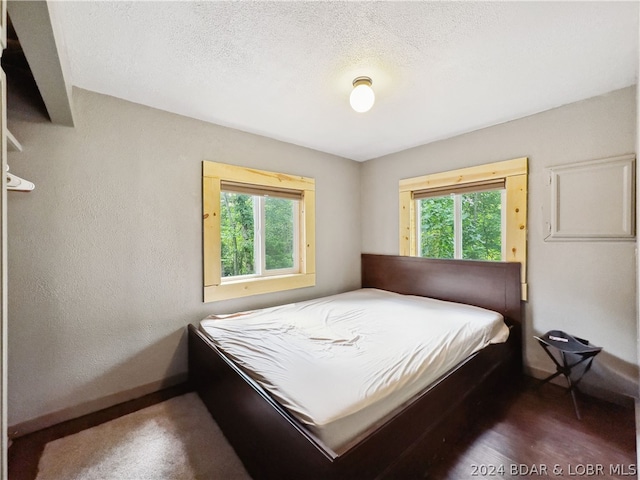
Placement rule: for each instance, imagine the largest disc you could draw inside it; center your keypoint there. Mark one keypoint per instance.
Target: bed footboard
(252, 422)
(273, 445)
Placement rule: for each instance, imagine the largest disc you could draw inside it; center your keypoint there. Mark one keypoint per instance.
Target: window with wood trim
(473, 213)
(258, 231)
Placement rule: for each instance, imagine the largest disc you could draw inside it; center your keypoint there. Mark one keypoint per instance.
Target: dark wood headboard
(491, 285)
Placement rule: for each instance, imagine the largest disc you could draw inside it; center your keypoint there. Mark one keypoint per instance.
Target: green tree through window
(279, 233)
(436, 227)
(237, 234)
(257, 234)
(463, 225)
(482, 225)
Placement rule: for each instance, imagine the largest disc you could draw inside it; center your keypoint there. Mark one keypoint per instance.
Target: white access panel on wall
(593, 200)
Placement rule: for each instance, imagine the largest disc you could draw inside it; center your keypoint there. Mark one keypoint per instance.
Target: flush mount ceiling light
(362, 96)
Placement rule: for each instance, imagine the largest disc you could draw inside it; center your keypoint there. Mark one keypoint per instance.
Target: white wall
(585, 288)
(105, 254)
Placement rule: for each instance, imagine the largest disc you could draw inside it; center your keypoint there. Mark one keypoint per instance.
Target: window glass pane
(280, 231)
(436, 227)
(237, 234)
(482, 225)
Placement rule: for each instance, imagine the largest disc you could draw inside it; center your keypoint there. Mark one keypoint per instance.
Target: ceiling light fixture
(362, 96)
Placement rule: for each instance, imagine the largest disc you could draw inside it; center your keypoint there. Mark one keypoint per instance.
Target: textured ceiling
(284, 69)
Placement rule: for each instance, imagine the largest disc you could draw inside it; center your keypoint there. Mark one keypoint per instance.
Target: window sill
(256, 286)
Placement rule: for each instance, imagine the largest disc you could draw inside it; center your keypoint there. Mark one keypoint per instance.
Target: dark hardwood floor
(524, 437)
(535, 434)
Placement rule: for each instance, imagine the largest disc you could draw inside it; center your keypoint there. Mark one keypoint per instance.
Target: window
(464, 224)
(474, 213)
(258, 231)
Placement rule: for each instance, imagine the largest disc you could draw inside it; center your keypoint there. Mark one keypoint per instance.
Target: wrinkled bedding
(342, 364)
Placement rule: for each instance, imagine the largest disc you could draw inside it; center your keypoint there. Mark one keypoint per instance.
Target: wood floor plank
(536, 430)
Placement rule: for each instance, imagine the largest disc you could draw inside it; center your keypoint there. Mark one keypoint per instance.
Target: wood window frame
(514, 173)
(213, 176)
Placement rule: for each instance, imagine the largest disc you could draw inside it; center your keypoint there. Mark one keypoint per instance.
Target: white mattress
(341, 364)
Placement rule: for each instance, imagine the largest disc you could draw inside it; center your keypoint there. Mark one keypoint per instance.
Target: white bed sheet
(341, 364)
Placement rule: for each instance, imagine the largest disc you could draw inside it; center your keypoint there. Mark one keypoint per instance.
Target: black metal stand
(567, 344)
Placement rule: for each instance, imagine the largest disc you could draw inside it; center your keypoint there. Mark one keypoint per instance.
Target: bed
(274, 442)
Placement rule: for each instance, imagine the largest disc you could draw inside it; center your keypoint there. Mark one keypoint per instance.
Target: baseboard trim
(92, 406)
(589, 389)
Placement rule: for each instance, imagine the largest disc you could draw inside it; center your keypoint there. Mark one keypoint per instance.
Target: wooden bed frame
(273, 444)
